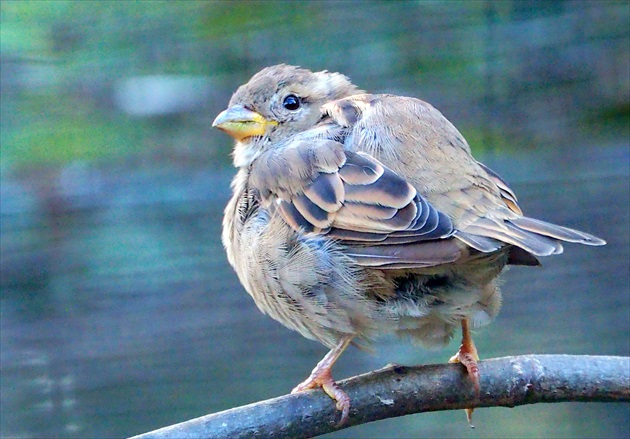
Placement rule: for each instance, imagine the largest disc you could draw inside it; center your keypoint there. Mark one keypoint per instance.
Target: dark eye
(291, 102)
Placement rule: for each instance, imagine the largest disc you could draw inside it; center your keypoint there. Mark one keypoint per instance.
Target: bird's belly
(430, 307)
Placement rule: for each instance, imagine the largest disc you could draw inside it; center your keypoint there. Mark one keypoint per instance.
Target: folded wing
(426, 149)
(379, 218)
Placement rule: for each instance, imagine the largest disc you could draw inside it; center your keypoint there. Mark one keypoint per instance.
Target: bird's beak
(241, 123)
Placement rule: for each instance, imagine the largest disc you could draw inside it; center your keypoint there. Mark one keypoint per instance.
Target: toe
(333, 390)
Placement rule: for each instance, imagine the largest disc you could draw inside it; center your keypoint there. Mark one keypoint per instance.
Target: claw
(469, 413)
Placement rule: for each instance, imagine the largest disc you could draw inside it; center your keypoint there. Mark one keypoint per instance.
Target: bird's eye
(291, 102)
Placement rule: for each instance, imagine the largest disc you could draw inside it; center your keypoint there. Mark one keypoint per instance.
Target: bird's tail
(536, 237)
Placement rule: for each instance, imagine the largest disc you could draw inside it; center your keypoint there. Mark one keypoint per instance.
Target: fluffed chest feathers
(303, 282)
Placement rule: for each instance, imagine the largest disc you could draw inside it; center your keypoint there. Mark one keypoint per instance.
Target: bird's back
(417, 142)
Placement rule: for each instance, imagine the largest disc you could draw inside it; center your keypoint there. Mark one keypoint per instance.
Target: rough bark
(397, 391)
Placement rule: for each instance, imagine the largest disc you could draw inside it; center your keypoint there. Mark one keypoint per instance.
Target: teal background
(118, 311)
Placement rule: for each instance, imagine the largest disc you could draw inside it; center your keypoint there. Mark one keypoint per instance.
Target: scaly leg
(467, 356)
(322, 377)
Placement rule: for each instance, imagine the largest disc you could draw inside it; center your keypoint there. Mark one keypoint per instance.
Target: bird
(354, 215)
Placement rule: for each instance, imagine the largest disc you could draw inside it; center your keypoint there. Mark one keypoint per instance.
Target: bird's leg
(467, 356)
(322, 377)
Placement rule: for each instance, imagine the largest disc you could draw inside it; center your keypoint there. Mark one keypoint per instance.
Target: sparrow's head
(277, 102)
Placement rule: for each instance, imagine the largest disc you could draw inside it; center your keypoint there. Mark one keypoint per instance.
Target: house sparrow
(355, 215)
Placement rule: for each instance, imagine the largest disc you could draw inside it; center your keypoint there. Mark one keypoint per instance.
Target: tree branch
(397, 391)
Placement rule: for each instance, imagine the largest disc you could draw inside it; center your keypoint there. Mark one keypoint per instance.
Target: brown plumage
(356, 214)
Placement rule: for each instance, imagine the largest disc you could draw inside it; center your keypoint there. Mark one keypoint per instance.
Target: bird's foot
(468, 357)
(324, 379)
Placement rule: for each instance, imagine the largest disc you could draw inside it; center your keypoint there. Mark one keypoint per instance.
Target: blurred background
(119, 312)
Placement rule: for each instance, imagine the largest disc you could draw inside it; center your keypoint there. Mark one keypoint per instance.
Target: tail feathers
(535, 244)
(557, 232)
(518, 256)
(536, 237)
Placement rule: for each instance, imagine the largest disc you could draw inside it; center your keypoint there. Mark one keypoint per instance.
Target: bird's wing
(507, 194)
(417, 142)
(380, 219)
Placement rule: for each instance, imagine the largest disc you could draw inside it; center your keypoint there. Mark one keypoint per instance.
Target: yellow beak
(241, 123)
